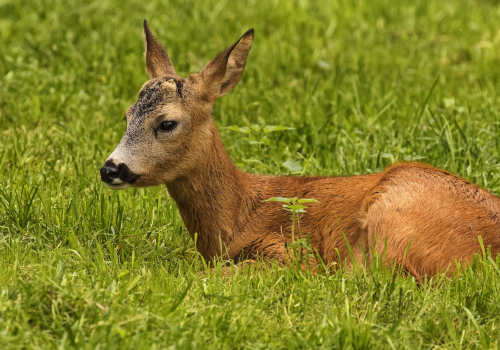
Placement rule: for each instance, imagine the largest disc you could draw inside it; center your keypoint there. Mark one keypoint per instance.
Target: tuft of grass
(354, 87)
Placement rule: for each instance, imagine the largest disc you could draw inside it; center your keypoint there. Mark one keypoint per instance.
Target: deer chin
(118, 184)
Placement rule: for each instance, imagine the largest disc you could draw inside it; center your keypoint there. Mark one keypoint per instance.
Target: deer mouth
(117, 184)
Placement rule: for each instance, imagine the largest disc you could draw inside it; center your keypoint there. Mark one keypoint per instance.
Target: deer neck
(215, 200)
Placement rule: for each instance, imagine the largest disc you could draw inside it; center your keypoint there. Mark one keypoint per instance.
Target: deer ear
(158, 64)
(221, 74)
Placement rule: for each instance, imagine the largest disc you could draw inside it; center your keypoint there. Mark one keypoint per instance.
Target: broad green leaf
(278, 199)
(292, 165)
(124, 273)
(271, 128)
(307, 200)
(242, 129)
(324, 65)
(386, 155)
(449, 102)
(287, 208)
(133, 283)
(409, 158)
(253, 142)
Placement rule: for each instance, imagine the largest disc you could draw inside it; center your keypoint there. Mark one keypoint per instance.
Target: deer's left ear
(221, 74)
(158, 64)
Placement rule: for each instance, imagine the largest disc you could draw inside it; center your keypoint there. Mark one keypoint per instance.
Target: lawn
(362, 83)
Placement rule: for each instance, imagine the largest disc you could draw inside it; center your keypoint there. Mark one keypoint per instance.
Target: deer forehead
(154, 96)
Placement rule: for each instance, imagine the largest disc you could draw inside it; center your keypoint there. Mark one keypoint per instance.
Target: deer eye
(168, 125)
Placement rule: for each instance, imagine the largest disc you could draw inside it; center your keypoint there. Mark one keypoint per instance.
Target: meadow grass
(363, 83)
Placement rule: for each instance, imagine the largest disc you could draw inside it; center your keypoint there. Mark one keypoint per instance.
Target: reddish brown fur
(439, 214)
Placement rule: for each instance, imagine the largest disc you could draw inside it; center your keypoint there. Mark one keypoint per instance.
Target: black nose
(109, 171)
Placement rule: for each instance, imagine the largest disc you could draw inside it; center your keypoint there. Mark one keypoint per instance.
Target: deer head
(170, 127)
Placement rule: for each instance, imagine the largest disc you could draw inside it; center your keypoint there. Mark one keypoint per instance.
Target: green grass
(363, 84)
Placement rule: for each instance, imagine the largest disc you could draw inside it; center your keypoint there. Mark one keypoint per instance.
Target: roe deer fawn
(171, 139)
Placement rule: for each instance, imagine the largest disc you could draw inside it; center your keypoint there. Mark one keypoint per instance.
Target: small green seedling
(301, 247)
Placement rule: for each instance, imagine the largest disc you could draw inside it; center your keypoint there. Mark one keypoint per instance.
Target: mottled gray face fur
(157, 137)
